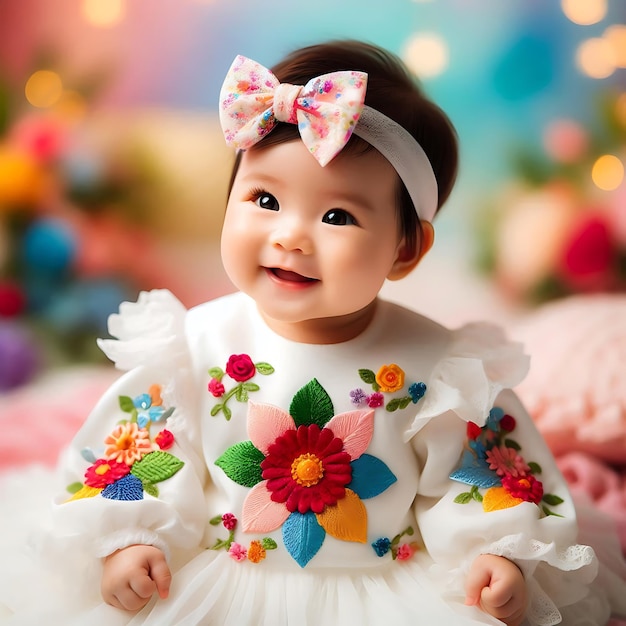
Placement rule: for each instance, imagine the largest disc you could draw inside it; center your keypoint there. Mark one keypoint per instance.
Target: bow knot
(326, 109)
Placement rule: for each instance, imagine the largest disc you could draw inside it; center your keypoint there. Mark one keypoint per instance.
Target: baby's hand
(497, 586)
(132, 575)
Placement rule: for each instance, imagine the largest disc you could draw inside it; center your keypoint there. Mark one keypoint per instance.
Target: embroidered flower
(308, 471)
(383, 545)
(375, 400)
(104, 472)
(506, 461)
(229, 521)
(165, 439)
(405, 551)
(417, 391)
(390, 378)
(358, 397)
(132, 463)
(127, 443)
(146, 408)
(216, 388)
(238, 552)
(241, 369)
(493, 461)
(256, 552)
(526, 488)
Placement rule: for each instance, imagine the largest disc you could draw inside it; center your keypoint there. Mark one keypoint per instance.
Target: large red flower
(307, 469)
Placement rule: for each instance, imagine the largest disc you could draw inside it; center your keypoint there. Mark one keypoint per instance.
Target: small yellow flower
(390, 378)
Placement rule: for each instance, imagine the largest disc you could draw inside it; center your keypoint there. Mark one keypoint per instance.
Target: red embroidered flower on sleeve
(240, 367)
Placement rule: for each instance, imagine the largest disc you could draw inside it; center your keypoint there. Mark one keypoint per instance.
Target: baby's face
(311, 245)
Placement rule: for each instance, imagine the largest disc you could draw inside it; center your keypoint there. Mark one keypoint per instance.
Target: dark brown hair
(393, 91)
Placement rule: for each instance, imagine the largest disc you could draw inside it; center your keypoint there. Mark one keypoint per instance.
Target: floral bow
(326, 109)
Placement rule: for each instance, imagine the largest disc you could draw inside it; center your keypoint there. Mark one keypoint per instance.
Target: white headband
(406, 156)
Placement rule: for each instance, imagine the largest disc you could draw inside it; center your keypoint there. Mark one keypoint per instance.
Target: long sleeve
(135, 471)
(489, 483)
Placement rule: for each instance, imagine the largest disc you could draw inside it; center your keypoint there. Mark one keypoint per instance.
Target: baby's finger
(161, 575)
(128, 600)
(142, 585)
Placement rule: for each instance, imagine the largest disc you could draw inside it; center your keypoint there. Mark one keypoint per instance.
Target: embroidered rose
(375, 400)
(405, 551)
(390, 378)
(216, 388)
(240, 367)
(229, 521)
(307, 471)
(402, 552)
(165, 439)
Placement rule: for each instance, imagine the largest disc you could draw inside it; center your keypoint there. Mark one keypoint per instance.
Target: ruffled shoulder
(477, 365)
(151, 330)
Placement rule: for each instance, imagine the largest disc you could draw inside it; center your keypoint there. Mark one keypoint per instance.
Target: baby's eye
(266, 201)
(338, 217)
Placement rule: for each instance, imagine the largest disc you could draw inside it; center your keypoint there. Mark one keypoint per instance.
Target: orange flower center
(307, 470)
(125, 441)
(102, 469)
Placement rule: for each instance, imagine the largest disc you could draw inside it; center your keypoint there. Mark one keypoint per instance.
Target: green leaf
(227, 412)
(156, 466)
(393, 405)
(216, 409)
(241, 395)
(217, 373)
(509, 443)
(404, 402)
(552, 500)
(268, 543)
(242, 463)
(151, 489)
(547, 511)
(463, 498)
(367, 376)
(250, 386)
(311, 405)
(74, 487)
(476, 494)
(126, 404)
(216, 521)
(535, 468)
(264, 368)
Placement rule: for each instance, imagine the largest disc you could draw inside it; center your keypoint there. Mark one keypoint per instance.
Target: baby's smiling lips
(289, 276)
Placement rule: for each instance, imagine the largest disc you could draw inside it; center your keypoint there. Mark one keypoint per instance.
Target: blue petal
(156, 412)
(493, 421)
(127, 488)
(142, 420)
(370, 476)
(88, 455)
(143, 401)
(476, 472)
(303, 536)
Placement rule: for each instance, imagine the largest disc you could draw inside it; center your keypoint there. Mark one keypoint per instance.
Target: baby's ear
(407, 260)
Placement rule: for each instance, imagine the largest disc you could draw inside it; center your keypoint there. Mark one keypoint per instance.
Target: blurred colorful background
(113, 173)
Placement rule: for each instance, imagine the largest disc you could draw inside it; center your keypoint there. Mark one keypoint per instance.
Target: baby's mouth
(289, 276)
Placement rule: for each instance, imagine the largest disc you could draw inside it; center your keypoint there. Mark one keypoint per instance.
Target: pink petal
(265, 423)
(259, 513)
(355, 428)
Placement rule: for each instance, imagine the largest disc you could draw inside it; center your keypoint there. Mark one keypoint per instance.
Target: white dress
(305, 484)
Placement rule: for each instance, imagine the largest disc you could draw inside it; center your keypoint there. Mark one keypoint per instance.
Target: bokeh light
(620, 109)
(595, 58)
(584, 12)
(566, 141)
(608, 172)
(616, 36)
(104, 13)
(426, 55)
(43, 89)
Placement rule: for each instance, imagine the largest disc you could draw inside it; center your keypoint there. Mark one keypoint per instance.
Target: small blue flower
(417, 391)
(493, 421)
(381, 546)
(144, 401)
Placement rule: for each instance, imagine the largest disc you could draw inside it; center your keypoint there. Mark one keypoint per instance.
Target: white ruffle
(479, 363)
(151, 330)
